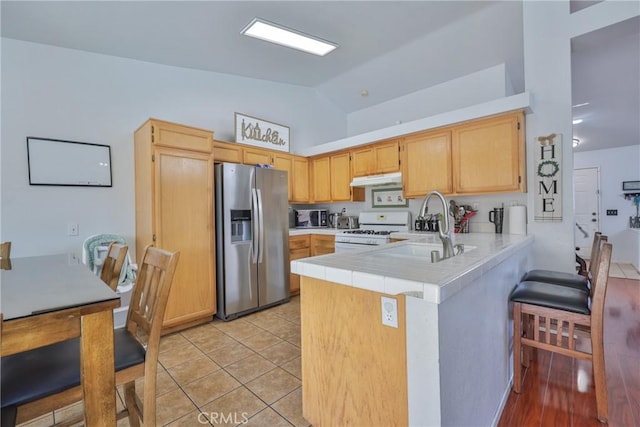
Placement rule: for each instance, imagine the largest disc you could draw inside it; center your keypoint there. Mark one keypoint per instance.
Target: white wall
(548, 29)
(616, 165)
(67, 94)
(475, 88)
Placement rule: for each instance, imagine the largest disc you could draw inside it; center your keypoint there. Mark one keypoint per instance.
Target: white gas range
(375, 228)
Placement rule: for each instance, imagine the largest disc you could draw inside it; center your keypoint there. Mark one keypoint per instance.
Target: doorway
(586, 200)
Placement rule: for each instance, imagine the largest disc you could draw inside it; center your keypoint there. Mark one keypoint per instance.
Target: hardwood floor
(558, 390)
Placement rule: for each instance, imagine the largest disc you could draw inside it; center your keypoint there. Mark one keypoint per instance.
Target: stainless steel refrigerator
(252, 238)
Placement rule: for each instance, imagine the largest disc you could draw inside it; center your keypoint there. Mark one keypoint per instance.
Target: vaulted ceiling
(389, 48)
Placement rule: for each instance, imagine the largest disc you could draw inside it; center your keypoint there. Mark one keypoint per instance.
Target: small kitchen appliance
(375, 229)
(306, 218)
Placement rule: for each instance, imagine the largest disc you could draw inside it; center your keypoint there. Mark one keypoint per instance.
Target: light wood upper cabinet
(252, 156)
(489, 155)
(340, 177)
(426, 163)
(381, 157)
(227, 152)
(175, 211)
(300, 180)
(169, 134)
(321, 179)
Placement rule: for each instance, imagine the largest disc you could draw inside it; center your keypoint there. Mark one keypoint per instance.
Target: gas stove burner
(378, 233)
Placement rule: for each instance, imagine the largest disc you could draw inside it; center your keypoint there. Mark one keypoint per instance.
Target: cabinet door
(298, 248)
(321, 170)
(340, 177)
(284, 162)
(184, 222)
(300, 180)
(488, 155)
(387, 157)
(253, 156)
(179, 136)
(363, 160)
(322, 244)
(426, 164)
(225, 152)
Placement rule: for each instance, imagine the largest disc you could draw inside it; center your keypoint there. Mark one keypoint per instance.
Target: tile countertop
(434, 282)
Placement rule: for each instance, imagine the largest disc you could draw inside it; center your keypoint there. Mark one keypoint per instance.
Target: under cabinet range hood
(394, 178)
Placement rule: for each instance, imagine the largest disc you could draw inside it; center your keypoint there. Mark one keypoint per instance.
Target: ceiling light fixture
(576, 142)
(274, 33)
(577, 121)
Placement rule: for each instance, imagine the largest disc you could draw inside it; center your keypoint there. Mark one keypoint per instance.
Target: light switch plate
(389, 311)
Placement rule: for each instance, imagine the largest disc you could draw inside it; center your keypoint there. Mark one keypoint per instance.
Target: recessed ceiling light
(274, 33)
(580, 105)
(576, 121)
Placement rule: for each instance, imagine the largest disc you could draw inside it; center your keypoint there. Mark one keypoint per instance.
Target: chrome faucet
(443, 231)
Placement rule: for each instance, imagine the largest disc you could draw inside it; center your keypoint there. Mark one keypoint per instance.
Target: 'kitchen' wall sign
(548, 181)
(261, 133)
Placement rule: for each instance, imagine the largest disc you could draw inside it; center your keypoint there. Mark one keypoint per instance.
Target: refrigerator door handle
(255, 243)
(261, 224)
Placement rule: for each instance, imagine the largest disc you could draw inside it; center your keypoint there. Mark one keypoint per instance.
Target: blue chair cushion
(551, 296)
(44, 371)
(558, 278)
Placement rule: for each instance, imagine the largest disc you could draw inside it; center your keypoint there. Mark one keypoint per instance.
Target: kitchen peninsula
(448, 361)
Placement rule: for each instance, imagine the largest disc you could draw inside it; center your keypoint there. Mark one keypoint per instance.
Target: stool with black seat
(48, 378)
(563, 320)
(578, 281)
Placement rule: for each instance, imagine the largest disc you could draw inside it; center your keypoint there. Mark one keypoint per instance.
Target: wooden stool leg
(599, 377)
(517, 348)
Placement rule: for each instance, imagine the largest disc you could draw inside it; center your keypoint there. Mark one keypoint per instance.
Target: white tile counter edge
(431, 282)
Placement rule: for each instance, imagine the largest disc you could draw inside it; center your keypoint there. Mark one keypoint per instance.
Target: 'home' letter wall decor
(548, 181)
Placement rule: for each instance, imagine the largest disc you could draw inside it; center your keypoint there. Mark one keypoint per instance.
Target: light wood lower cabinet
(299, 247)
(174, 211)
(322, 244)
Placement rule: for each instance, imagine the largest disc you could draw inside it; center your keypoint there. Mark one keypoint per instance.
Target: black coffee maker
(496, 216)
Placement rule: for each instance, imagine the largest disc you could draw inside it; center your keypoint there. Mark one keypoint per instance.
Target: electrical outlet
(612, 212)
(389, 311)
(72, 229)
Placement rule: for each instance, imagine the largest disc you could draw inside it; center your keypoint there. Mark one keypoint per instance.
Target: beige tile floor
(624, 271)
(246, 371)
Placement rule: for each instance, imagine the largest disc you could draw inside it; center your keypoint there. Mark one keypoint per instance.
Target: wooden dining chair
(5, 250)
(557, 319)
(48, 378)
(112, 266)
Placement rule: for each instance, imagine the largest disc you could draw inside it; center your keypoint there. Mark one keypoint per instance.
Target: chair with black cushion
(112, 266)
(555, 318)
(577, 281)
(48, 378)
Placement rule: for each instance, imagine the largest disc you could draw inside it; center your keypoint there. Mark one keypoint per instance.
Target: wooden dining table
(47, 299)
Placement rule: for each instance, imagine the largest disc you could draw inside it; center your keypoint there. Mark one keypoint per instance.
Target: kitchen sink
(418, 251)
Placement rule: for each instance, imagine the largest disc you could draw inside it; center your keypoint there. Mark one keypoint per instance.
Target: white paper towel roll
(518, 220)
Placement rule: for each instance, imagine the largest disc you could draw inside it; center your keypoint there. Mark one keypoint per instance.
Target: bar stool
(576, 281)
(551, 317)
